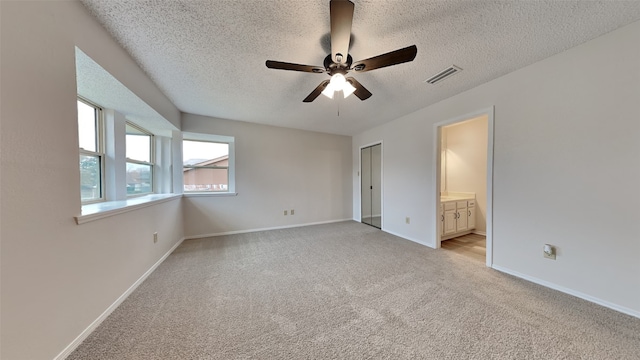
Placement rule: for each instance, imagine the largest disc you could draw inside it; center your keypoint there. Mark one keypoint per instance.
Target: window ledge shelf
(101, 210)
(197, 194)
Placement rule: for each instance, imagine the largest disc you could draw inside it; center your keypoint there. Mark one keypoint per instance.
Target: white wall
(58, 277)
(277, 169)
(565, 129)
(466, 163)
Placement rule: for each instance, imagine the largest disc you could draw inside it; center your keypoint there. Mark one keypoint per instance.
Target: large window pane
(204, 179)
(138, 144)
(87, 125)
(198, 152)
(205, 166)
(139, 179)
(90, 177)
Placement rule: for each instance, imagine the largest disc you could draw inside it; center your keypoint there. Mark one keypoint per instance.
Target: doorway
(463, 184)
(371, 185)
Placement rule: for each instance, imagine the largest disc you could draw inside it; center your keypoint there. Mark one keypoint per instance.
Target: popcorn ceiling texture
(97, 84)
(209, 56)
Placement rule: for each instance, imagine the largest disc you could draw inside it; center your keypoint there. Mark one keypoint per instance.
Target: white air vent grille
(448, 72)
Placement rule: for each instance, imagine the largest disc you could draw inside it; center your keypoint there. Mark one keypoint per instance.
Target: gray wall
(566, 128)
(58, 277)
(277, 169)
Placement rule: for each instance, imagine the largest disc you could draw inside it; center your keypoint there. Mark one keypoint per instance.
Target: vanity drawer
(462, 204)
(472, 203)
(451, 205)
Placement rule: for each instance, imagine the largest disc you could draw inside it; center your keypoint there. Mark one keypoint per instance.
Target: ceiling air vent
(450, 71)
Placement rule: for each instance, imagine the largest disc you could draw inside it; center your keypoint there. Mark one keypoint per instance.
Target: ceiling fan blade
(295, 67)
(361, 92)
(316, 92)
(391, 58)
(341, 19)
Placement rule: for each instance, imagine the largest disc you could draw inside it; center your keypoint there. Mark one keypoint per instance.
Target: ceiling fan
(339, 62)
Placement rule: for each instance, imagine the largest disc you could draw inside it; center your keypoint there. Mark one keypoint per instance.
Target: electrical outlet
(155, 237)
(292, 211)
(407, 220)
(285, 212)
(549, 252)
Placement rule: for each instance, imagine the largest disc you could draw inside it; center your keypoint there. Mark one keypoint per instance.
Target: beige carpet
(348, 291)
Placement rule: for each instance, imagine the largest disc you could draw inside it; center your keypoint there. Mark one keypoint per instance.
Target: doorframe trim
(435, 190)
(374, 143)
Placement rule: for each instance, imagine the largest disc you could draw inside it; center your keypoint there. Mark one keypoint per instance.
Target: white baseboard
(192, 237)
(565, 290)
(483, 233)
(78, 340)
(403, 237)
(410, 239)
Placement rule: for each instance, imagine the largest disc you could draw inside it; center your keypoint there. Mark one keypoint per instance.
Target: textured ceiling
(97, 85)
(209, 57)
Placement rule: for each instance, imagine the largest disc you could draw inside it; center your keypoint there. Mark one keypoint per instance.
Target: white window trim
(96, 211)
(231, 188)
(100, 149)
(152, 164)
(115, 199)
(212, 194)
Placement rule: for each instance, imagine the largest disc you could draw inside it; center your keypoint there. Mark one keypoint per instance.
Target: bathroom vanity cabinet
(457, 216)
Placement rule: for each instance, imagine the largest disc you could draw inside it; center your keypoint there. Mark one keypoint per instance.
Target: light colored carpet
(374, 221)
(348, 291)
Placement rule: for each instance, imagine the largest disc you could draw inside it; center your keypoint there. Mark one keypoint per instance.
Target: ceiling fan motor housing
(335, 68)
(341, 14)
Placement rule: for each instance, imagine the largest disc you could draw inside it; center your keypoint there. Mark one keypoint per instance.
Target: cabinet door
(472, 218)
(461, 224)
(449, 222)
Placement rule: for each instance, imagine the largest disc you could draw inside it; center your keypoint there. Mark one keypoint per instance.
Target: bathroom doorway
(463, 186)
(371, 185)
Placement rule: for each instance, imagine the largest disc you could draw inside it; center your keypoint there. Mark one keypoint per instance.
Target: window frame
(152, 157)
(219, 139)
(100, 148)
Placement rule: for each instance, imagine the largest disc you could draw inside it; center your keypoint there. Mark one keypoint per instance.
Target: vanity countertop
(456, 197)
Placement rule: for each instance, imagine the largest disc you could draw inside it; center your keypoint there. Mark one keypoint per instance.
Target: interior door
(371, 185)
(365, 185)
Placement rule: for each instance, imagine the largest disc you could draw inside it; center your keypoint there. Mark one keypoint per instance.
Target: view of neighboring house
(139, 179)
(206, 175)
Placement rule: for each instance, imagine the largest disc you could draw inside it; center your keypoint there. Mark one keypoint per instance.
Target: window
(90, 139)
(205, 166)
(139, 153)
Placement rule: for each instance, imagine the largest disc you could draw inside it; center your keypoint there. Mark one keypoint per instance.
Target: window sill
(214, 194)
(91, 212)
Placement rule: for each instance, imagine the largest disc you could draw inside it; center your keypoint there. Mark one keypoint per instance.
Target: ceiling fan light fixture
(337, 80)
(328, 91)
(338, 83)
(338, 63)
(348, 89)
